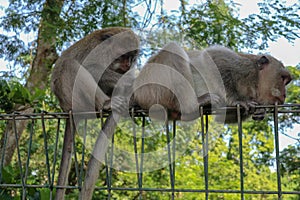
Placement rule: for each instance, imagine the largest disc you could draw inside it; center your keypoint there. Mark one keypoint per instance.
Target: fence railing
(143, 157)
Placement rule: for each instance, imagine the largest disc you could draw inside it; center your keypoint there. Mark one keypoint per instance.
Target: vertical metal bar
(277, 151)
(174, 150)
(240, 133)
(55, 157)
(111, 163)
(136, 154)
(206, 155)
(170, 158)
(73, 131)
(82, 154)
(107, 169)
(19, 157)
(142, 154)
(204, 151)
(29, 151)
(3, 150)
(46, 146)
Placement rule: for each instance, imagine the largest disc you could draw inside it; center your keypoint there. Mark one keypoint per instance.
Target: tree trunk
(40, 70)
(8, 141)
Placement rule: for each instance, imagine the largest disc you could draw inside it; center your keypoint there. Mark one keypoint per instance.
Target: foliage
(292, 159)
(290, 168)
(76, 20)
(12, 93)
(216, 22)
(294, 88)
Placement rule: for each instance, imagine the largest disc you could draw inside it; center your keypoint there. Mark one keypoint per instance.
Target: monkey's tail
(65, 164)
(97, 158)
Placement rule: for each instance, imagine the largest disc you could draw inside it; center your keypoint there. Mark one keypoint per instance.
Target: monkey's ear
(263, 60)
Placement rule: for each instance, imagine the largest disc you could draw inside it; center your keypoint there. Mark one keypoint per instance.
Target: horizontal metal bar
(292, 108)
(156, 189)
(4, 185)
(198, 191)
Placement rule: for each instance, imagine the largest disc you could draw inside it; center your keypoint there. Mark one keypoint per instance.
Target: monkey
(245, 79)
(84, 77)
(219, 76)
(80, 61)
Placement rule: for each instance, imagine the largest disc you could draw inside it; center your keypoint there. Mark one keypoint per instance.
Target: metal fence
(31, 173)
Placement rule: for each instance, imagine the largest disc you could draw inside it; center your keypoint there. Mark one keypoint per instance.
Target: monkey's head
(123, 44)
(272, 80)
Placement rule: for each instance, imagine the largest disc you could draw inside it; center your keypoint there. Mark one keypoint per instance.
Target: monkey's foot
(210, 100)
(250, 109)
(107, 105)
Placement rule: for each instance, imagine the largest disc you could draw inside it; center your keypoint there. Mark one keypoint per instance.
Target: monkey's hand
(120, 105)
(257, 113)
(250, 109)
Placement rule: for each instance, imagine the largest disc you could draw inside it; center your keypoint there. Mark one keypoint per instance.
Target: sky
(288, 53)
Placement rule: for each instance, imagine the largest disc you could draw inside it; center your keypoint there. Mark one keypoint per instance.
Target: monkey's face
(122, 64)
(273, 78)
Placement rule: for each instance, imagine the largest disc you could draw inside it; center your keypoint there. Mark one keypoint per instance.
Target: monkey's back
(166, 79)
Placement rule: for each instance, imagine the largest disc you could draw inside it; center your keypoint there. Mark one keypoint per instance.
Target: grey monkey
(244, 79)
(84, 77)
